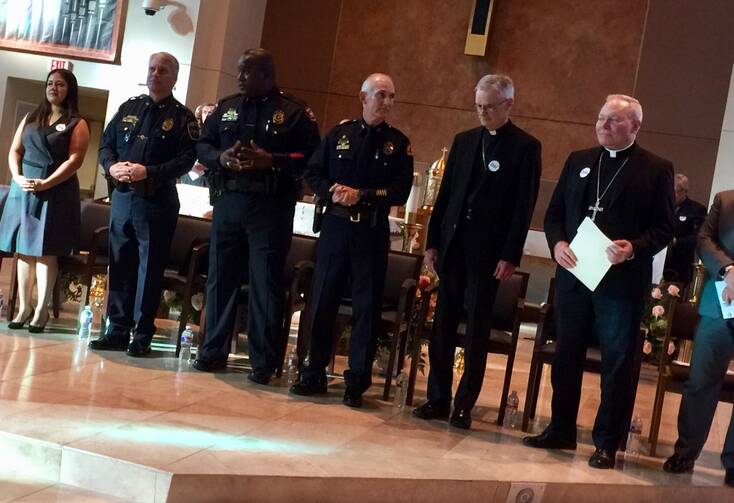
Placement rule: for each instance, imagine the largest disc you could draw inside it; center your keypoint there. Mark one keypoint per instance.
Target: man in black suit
(628, 192)
(475, 240)
(689, 215)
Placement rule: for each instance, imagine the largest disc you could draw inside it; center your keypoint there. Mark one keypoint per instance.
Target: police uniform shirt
(161, 136)
(279, 123)
(375, 159)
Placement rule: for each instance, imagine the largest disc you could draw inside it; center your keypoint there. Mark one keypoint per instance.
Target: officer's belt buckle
(356, 218)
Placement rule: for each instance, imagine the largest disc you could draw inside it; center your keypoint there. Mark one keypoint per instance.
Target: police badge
(278, 117)
(388, 148)
(167, 124)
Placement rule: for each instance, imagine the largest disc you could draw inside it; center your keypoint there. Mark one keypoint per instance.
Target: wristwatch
(724, 270)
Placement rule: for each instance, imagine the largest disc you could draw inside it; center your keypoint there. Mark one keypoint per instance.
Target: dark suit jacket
(716, 249)
(502, 210)
(638, 208)
(689, 216)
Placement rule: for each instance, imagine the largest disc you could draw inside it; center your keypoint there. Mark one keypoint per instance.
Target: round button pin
(494, 166)
(585, 172)
(60, 127)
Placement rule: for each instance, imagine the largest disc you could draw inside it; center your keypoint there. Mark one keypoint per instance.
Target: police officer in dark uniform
(255, 147)
(148, 144)
(362, 168)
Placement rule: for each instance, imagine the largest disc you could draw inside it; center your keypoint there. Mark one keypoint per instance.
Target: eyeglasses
(491, 108)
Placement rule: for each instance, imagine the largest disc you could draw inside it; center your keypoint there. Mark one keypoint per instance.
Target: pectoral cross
(596, 208)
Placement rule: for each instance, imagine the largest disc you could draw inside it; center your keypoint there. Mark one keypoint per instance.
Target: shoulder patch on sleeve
(192, 127)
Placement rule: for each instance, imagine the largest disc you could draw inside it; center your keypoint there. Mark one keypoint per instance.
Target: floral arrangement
(656, 319)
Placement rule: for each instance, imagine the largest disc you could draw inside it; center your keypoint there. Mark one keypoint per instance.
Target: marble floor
(151, 430)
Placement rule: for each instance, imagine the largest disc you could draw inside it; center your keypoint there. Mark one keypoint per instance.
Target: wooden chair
(398, 300)
(682, 321)
(544, 352)
(187, 265)
(504, 330)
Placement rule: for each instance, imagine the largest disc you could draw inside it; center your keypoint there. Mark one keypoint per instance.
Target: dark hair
(263, 59)
(70, 106)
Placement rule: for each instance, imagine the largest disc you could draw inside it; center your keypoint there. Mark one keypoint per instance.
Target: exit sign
(61, 64)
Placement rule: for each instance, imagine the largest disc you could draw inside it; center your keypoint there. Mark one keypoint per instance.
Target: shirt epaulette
(294, 99)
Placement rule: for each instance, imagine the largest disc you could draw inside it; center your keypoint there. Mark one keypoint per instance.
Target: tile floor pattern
(150, 412)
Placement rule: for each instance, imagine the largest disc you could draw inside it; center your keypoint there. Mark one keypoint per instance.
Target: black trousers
(355, 251)
(615, 320)
(250, 238)
(466, 290)
(141, 230)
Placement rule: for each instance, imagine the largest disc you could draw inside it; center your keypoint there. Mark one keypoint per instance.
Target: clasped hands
(30, 184)
(245, 157)
(344, 195)
(619, 251)
(128, 172)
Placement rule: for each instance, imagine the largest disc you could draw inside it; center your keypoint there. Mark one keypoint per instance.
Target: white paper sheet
(727, 310)
(590, 245)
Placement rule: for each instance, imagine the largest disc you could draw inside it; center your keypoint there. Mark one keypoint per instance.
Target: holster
(318, 215)
(216, 185)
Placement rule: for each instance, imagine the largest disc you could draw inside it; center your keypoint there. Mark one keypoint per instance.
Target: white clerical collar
(493, 132)
(613, 153)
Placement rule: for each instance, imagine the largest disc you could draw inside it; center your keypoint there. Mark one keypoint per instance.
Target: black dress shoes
(106, 343)
(548, 440)
(432, 410)
(602, 459)
(306, 387)
(15, 325)
(205, 365)
(259, 377)
(352, 398)
(138, 349)
(461, 418)
(678, 464)
(729, 478)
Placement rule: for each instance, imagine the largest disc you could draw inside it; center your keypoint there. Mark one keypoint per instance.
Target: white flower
(197, 301)
(647, 348)
(674, 290)
(658, 311)
(168, 296)
(656, 293)
(671, 347)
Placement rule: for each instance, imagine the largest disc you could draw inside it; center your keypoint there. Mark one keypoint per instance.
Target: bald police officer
(362, 168)
(146, 146)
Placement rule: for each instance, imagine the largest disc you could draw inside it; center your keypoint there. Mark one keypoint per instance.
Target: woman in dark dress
(41, 217)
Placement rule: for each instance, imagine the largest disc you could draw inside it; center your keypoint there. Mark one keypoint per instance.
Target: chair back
(302, 248)
(93, 216)
(189, 233)
(400, 266)
(682, 321)
(505, 302)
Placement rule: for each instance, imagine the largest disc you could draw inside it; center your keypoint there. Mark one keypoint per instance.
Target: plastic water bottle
(401, 391)
(634, 442)
(511, 412)
(85, 322)
(292, 367)
(184, 356)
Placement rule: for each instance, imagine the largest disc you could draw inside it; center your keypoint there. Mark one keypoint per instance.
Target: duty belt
(356, 215)
(246, 185)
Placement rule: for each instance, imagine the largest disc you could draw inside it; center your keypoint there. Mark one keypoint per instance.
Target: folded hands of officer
(245, 157)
